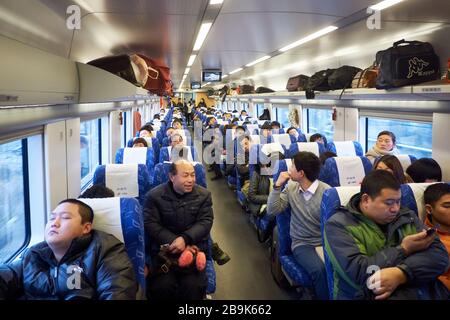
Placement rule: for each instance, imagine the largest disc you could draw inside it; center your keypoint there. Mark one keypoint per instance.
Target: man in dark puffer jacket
(177, 213)
(74, 262)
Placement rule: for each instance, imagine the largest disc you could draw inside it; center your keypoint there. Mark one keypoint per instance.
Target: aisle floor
(247, 275)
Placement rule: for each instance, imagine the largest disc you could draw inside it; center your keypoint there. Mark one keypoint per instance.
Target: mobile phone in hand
(430, 231)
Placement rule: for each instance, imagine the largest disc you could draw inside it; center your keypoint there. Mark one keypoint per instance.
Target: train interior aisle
(247, 275)
(328, 91)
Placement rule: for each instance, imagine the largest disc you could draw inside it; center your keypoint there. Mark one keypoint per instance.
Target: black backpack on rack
(246, 89)
(318, 82)
(263, 90)
(342, 78)
(406, 63)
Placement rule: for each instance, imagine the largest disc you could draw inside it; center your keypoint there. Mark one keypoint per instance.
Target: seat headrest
(251, 128)
(284, 139)
(107, 216)
(174, 153)
(269, 148)
(350, 169)
(135, 155)
(334, 198)
(255, 139)
(122, 179)
(345, 148)
(309, 146)
(412, 197)
(405, 160)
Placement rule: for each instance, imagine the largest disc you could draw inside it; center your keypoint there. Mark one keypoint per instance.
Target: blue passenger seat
(122, 217)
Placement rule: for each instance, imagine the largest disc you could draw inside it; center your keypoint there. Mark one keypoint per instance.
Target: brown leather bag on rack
(366, 78)
(158, 81)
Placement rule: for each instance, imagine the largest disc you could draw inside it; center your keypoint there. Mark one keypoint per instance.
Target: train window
(245, 106)
(90, 149)
(320, 121)
(413, 138)
(282, 115)
(14, 217)
(126, 128)
(259, 109)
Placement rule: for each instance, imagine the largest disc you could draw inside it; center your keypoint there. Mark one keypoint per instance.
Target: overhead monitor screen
(211, 76)
(196, 85)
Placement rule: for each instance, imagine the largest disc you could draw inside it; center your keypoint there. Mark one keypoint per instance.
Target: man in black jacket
(74, 262)
(177, 214)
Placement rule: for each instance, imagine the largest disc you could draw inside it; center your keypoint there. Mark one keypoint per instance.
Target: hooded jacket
(95, 267)
(355, 244)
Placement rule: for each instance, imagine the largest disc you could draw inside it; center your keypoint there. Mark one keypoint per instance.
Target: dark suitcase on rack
(263, 90)
(246, 89)
(131, 68)
(318, 81)
(407, 63)
(342, 77)
(297, 83)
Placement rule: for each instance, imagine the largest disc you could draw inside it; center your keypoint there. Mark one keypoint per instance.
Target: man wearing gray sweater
(303, 192)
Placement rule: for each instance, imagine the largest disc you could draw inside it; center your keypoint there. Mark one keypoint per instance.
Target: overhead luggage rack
(436, 91)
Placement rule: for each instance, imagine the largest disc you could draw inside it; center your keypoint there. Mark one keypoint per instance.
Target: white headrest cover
(148, 140)
(345, 148)
(284, 139)
(251, 128)
(268, 148)
(122, 179)
(174, 154)
(418, 189)
(288, 163)
(106, 215)
(181, 132)
(309, 146)
(405, 160)
(134, 155)
(350, 169)
(255, 139)
(345, 193)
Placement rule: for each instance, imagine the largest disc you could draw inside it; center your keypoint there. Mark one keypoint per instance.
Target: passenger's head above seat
(69, 220)
(176, 139)
(97, 191)
(240, 131)
(146, 131)
(266, 164)
(425, 170)
(140, 143)
(392, 164)
(266, 129)
(245, 143)
(386, 140)
(182, 176)
(275, 125)
(177, 124)
(317, 137)
(169, 131)
(305, 166)
(325, 155)
(293, 132)
(437, 205)
(380, 196)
